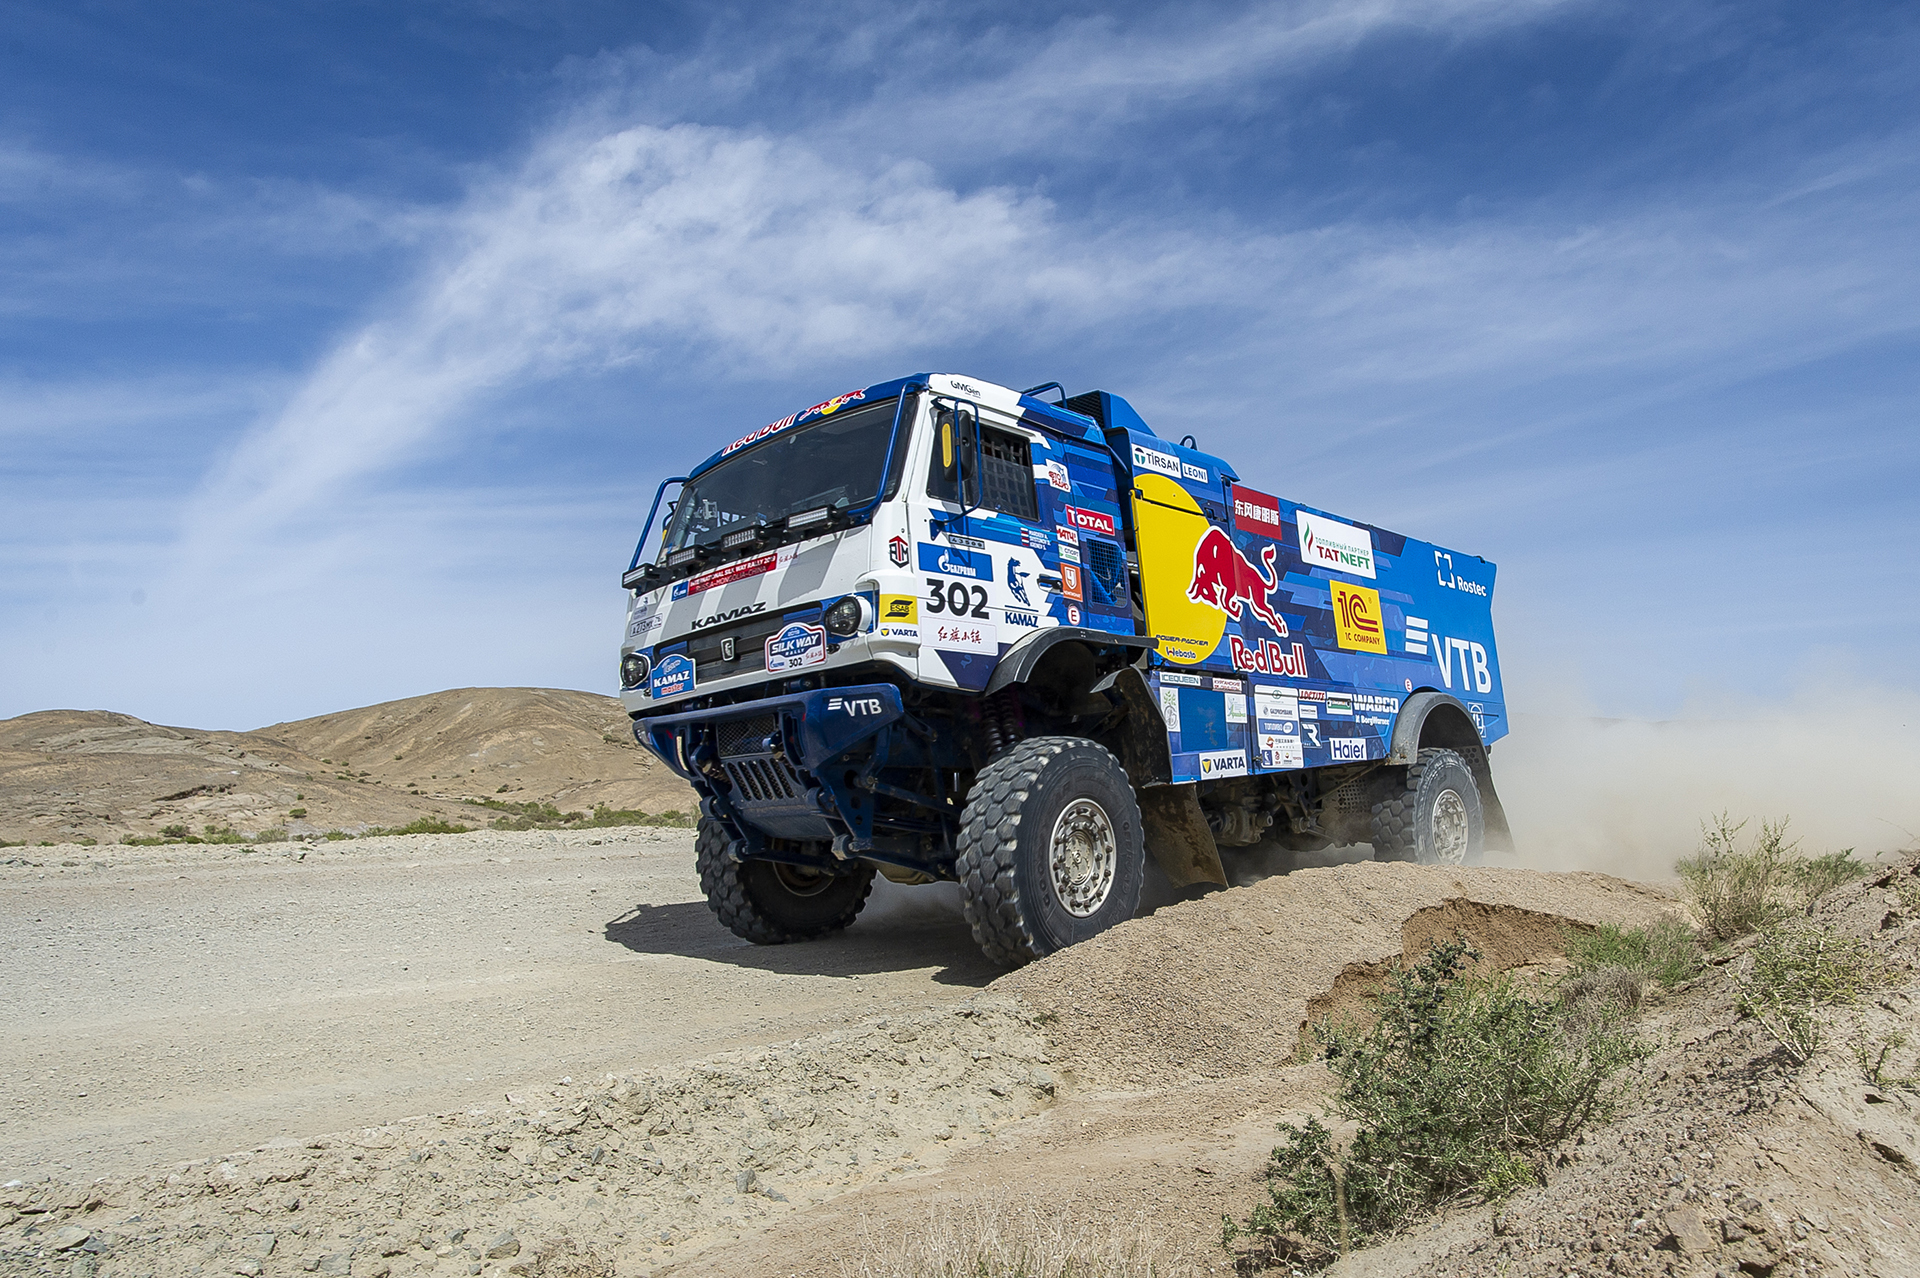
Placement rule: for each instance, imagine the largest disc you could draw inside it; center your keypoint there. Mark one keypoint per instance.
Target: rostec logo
(1328, 543)
(1091, 520)
(1356, 618)
(1443, 570)
(1256, 512)
(1224, 578)
(1347, 749)
(855, 706)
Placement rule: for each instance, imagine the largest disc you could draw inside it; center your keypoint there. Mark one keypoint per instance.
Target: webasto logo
(1328, 543)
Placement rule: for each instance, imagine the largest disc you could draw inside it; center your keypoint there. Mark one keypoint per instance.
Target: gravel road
(172, 1003)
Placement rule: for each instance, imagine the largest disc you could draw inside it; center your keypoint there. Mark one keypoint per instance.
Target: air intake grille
(744, 736)
(1107, 563)
(765, 780)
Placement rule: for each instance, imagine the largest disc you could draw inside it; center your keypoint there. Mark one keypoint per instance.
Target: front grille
(744, 736)
(749, 647)
(765, 780)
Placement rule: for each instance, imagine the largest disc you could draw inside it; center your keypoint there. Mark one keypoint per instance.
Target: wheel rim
(1082, 857)
(801, 881)
(1450, 828)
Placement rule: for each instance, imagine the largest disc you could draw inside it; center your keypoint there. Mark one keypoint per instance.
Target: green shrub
(1800, 968)
(1736, 892)
(334, 836)
(425, 825)
(1455, 1089)
(1664, 951)
(296, 813)
(1816, 875)
(273, 834)
(174, 831)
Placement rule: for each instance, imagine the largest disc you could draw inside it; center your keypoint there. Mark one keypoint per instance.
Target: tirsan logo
(1161, 463)
(1328, 543)
(1356, 615)
(855, 706)
(730, 615)
(1091, 520)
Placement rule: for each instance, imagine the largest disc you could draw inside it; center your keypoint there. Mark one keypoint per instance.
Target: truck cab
(866, 625)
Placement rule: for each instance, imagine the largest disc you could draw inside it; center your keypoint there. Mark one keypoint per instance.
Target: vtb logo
(1356, 618)
(855, 705)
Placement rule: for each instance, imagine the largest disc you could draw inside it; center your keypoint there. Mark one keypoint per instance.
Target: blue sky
(341, 345)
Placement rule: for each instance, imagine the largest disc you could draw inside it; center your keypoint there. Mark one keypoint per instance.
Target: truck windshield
(796, 470)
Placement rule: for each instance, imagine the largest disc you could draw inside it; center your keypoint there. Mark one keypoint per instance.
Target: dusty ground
(68, 775)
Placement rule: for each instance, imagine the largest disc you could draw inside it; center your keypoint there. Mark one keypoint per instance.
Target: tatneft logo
(1091, 520)
(1328, 543)
(855, 705)
(1163, 463)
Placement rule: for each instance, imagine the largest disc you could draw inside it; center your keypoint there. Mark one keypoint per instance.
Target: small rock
(1042, 1079)
(774, 1194)
(502, 1245)
(245, 1268)
(335, 1263)
(260, 1245)
(66, 1237)
(743, 1180)
(1687, 1231)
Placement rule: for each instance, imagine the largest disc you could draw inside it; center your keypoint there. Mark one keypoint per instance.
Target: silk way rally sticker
(796, 645)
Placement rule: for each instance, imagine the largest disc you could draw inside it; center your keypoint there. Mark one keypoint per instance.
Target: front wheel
(770, 902)
(1435, 817)
(1051, 849)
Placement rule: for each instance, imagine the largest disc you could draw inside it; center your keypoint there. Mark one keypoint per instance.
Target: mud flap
(1178, 837)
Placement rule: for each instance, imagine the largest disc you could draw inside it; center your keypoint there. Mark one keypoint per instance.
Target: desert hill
(69, 775)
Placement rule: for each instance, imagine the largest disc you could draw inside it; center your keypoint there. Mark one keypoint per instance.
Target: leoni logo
(1328, 543)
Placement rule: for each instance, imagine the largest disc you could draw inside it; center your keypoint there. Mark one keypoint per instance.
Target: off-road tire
(1006, 829)
(1404, 821)
(757, 906)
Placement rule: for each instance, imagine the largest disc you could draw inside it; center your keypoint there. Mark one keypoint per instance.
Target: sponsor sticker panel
(795, 646)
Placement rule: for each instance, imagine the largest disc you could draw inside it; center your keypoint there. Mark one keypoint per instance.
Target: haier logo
(1347, 749)
(855, 706)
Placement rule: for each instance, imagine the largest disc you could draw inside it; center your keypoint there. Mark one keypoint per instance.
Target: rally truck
(941, 630)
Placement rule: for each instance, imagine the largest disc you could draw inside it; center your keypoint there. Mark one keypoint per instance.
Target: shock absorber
(1002, 721)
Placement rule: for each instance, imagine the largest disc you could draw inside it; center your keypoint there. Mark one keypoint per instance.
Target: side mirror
(946, 445)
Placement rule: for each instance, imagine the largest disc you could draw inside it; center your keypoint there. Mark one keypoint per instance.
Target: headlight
(843, 620)
(634, 668)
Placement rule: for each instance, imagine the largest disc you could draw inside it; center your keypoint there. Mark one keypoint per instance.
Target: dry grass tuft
(1009, 1240)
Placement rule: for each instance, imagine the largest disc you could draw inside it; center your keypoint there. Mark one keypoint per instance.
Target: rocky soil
(73, 775)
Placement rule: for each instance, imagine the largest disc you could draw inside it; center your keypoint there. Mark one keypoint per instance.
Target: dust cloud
(1627, 796)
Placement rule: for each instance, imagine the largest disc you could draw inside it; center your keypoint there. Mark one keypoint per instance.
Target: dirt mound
(70, 775)
(1224, 985)
(603, 1177)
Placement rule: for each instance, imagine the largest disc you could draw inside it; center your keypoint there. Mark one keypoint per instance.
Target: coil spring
(1001, 719)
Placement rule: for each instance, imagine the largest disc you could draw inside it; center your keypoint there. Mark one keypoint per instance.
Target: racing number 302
(955, 597)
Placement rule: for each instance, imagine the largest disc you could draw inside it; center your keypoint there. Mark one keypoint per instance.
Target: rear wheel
(1435, 817)
(1051, 848)
(770, 902)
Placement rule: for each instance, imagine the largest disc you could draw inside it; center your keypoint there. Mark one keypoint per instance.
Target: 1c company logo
(1356, 618)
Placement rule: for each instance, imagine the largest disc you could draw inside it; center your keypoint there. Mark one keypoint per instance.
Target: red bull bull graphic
(1224, 578)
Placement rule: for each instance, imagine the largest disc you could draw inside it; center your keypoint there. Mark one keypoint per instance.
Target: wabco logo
(729, 615)
(855, 705)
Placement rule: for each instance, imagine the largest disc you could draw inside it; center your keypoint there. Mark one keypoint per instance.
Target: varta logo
(730, 615)
(855, 705)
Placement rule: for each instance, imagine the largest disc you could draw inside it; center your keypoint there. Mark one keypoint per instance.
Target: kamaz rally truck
(942, 630)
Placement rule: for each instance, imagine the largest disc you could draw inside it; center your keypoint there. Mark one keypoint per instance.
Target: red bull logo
(1268, 657)
(1224, 578)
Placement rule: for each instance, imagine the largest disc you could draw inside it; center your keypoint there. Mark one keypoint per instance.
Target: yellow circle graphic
(1170, 526)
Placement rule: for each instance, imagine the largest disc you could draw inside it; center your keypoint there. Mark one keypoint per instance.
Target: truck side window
(1005, 482)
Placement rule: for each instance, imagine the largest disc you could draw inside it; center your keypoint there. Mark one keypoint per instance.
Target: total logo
(1090, 520)
(855, 706)
(1224, 578)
